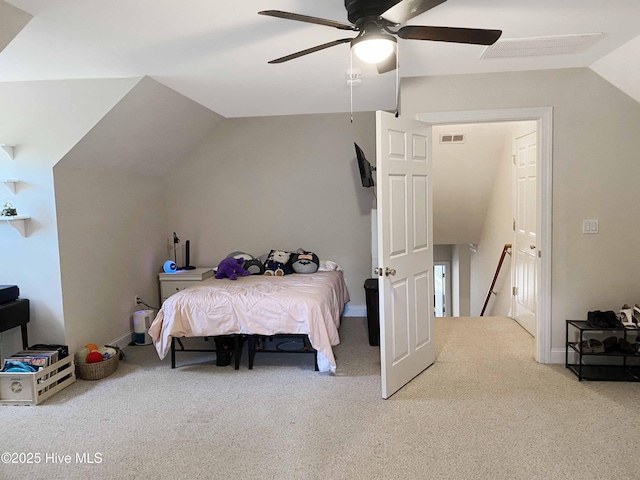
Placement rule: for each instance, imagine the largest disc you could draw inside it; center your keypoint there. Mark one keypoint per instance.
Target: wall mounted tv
(366, 170)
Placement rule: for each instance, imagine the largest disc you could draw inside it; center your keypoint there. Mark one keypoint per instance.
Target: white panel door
(524, 261)
(405, 251)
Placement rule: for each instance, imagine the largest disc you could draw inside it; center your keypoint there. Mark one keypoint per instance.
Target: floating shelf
(11, 184)
(10, 149)
(18, 222)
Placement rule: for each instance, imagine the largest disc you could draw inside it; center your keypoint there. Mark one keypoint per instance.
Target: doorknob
(389, 271)
(532, 247)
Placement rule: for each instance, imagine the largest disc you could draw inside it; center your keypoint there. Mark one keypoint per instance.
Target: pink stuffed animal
(231, 267)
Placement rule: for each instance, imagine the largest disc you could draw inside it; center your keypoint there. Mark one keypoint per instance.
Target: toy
(94, 357)
(304, 262)
(254, 266)
(242, 255)
(91, 347)
(230, 268)
(278, 263)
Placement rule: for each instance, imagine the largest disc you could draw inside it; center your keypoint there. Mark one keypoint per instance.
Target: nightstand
(171, 283)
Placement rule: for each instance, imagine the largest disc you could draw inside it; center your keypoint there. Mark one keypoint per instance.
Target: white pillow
(329, 266)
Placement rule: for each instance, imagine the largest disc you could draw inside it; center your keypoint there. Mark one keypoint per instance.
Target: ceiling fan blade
(389, 64)
(474, 36)
(407, 9)
(308, 19)
(310, 50)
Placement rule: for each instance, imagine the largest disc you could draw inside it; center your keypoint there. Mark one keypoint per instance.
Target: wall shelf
(18, 222)
(10, 149)
(11, 184)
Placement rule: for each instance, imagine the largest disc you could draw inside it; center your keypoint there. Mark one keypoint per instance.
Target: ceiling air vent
(452, 138)
(539, 46)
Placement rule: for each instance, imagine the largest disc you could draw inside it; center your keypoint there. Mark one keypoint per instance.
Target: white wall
(595, 172)
(44, 120)
(442, 253)
(147, 133)
(463, 175)
(460, 280)
(287, 182)
(12, 21)
(112, 219)
(112, 227)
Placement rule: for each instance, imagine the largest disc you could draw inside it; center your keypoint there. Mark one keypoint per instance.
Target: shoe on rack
(599, 319)
(590, 346)
(597, 346)
(626, 316)
(610, 344)
(612, 319)
(584, 347)
(596, 319)
(625, 347)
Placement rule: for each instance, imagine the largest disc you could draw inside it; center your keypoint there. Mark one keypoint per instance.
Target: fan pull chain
(397, 81)
(351, 83)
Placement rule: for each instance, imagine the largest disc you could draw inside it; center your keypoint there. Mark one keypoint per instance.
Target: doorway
(543, 118)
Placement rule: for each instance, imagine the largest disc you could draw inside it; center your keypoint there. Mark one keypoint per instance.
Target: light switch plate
(590, 226)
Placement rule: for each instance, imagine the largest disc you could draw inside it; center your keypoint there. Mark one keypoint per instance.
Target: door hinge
(514, 224)
(514, 291)
(513, 158)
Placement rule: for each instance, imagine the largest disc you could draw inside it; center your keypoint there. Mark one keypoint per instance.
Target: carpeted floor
(484, 410)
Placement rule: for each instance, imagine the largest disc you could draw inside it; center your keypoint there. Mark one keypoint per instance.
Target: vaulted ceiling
(216, 53)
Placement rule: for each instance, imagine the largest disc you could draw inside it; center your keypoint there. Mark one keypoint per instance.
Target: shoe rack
(620, 363)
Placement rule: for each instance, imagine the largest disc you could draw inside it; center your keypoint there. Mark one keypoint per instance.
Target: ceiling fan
(376, 22)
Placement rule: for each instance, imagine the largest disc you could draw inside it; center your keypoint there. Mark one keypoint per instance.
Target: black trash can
(373, 313)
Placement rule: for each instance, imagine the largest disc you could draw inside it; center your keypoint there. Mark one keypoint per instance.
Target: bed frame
(236, 351)
(258, 344)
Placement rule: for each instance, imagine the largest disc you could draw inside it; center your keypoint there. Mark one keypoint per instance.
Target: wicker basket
(97, 371)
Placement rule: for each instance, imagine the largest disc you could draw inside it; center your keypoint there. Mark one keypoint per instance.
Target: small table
(171, 283)
(15, 314)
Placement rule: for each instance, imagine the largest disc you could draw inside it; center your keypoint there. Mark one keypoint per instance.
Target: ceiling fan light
(373, 48)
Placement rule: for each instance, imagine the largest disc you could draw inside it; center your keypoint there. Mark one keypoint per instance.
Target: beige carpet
(484, 410)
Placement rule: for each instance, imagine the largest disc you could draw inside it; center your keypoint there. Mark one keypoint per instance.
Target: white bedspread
(310, 304)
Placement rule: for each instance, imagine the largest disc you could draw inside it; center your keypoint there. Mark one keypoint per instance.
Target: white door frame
(544, 118)
(447, 286)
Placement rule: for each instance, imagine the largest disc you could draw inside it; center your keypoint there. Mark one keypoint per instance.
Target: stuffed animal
(304, 262)
(278, 263)
(94, 357)
(254, 266)
(230, 268)
(244, 256)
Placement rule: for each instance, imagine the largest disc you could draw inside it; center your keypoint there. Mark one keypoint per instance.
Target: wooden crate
(17, 388)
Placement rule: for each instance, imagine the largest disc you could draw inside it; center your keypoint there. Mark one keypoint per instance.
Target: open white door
(524, 258)
(405, 251)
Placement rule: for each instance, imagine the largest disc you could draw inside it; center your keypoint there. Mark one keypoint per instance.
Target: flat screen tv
(366, 170)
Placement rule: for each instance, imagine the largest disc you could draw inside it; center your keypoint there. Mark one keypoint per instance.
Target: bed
(307, 304)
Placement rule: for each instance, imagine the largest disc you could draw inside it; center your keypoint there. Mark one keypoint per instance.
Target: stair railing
(505, 251)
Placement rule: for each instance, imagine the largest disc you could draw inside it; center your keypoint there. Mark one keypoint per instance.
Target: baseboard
(123, 341)
(558, 355)
(355, 311)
